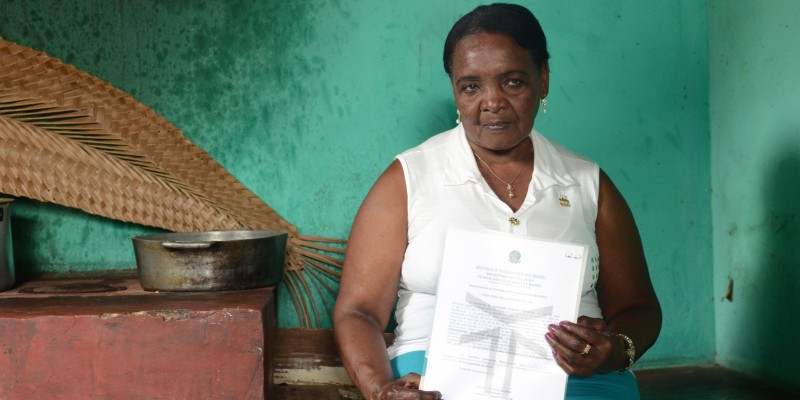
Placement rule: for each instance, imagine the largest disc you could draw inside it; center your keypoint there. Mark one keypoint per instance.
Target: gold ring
(586, 349)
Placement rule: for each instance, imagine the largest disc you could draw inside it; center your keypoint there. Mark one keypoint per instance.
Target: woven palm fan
(69, 138)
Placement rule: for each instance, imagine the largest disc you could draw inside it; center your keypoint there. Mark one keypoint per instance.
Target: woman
(493, 171)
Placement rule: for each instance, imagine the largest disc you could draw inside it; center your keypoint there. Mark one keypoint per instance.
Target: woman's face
(497, 88)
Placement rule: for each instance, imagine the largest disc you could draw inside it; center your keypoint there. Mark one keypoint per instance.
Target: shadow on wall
(42, 250)
(23, 241)
(775, 315)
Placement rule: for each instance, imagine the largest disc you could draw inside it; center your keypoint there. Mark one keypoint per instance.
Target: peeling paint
(313, 376)
(729, 293)
(166, 315)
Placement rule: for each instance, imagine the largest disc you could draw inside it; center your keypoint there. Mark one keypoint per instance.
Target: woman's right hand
(406, 388)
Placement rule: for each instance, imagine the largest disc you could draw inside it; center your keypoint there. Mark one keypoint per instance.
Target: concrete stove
(131, 344)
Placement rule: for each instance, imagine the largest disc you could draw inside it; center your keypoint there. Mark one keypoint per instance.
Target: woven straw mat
(69, 138)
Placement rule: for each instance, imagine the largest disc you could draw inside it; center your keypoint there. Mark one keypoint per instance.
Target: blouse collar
(548, 168)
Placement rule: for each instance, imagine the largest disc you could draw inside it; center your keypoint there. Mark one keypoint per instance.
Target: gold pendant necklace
(508, 184)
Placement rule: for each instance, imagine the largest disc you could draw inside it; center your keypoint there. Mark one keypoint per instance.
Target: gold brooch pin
(563, 200)
(513, 221)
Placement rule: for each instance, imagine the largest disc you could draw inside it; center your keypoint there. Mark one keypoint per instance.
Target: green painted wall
(755, 137)
(306, 102)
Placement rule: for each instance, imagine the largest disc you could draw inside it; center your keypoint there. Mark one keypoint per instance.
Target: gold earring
(458, 119)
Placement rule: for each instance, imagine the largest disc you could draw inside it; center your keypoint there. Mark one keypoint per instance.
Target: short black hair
(510, 19)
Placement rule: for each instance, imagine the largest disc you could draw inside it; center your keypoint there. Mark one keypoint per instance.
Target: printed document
(497, 294)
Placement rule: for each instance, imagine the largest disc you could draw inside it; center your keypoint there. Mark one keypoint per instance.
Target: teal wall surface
(306, 102)
(755, 152)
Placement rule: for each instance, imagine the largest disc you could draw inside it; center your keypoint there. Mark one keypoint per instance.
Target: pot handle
(186, 245)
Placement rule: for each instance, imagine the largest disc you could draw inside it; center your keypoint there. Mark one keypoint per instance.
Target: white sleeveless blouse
(445, 189)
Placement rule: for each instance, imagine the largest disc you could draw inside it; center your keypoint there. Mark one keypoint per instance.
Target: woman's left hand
(584, 348)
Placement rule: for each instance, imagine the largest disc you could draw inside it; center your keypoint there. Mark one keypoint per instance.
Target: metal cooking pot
(204, 261)
(6, 251)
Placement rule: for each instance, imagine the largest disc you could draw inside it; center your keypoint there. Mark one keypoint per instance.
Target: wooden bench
(307, 366)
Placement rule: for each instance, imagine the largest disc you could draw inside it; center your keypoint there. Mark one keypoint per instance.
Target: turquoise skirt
(612, 386)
